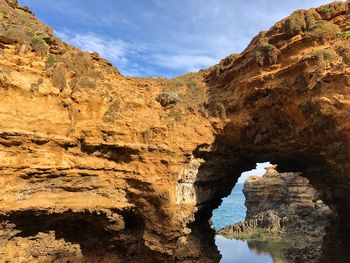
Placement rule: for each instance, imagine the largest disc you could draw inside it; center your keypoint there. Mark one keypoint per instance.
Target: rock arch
(289, 107)
(80, 143)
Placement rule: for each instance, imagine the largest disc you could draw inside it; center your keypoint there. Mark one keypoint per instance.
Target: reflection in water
(242, 251)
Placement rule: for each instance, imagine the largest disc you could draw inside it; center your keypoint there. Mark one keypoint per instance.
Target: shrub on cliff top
(331, 10)
(323, 29)
(296, 23)
(168, 98)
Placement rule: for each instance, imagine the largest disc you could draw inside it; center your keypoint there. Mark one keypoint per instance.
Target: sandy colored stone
(93, 164)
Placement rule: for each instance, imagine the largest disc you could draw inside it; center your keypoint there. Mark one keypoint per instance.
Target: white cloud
(113, 49)
(258, 171)
(184, 62)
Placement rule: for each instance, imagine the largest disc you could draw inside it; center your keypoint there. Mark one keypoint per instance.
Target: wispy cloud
(184, 62)
(114, 49)
(118, 51)
(168, 38)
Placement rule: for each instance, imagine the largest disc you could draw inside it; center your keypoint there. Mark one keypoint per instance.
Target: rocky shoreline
(283, 207)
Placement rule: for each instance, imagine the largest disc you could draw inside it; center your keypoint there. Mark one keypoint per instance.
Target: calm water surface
(233, 210)
(242, 251)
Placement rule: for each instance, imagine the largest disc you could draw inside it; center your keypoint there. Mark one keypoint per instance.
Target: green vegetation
(266, 54)
(325, 56)
(39, 45)
(217, 110)
(168, 98)
(184, 93)
(323, 29)
(192, 85)
(329, 11)
(307, 22)
(346, 34)
(310, 21)
(296, 22)
(217, 69)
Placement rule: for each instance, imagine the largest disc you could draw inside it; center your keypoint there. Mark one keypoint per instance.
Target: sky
(258, 171)
(163, 37)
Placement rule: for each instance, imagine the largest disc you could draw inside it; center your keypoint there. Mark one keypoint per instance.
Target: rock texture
(98, 167)
(287, 207)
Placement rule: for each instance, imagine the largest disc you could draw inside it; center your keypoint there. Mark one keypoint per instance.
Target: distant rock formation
(286, 206)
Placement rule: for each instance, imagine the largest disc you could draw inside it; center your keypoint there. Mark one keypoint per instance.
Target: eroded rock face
(93, 168)
(284, 206)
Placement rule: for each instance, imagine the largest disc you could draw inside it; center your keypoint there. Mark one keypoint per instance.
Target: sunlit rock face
(284, 206)
(95, 169)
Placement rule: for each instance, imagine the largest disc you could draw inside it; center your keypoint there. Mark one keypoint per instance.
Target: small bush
(19, 34)
(296, 23)
(310, 21)
(331, 10)
(59, 78)
(192, 85)
(39, 46)
(325, 56)
(323, 29)
(346, 34)
(326, 11)
(168, 98)
(217, 110)
(266, 54)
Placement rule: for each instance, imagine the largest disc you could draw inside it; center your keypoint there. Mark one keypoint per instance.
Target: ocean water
(238, 251)
(232, 210)
(242, 251)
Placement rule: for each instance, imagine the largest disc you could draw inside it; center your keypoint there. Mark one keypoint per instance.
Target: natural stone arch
(110, 154)
(291, 110)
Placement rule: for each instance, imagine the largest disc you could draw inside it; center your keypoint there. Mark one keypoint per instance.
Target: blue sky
(258, 171)
(163, 37)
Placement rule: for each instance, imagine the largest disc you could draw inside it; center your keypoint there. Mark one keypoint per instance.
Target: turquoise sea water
(232, 210)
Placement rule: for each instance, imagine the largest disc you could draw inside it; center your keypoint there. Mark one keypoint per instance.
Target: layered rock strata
(284, 206)
(99, 167)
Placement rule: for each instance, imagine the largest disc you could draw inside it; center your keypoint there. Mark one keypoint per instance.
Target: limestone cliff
(99, 167)
(284, 206)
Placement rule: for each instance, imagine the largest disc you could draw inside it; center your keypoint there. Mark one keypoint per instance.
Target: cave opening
(271, 216)
(232, 211)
